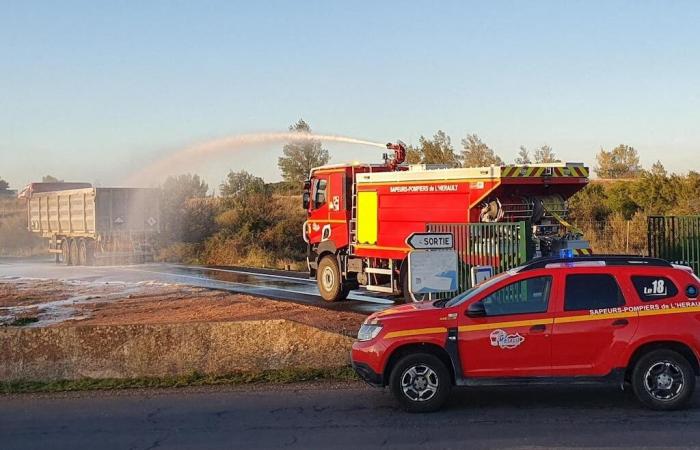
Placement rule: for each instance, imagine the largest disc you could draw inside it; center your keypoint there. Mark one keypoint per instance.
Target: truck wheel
(420, 382)
(74, 253)
(65, 251)
(329, 280)
(663, 380)
(87, 252)
(407, 296)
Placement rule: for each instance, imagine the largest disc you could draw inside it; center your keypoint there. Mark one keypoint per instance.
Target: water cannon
(399, 149)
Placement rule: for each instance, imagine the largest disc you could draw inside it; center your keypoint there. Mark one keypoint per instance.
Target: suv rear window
(592, 291)
(654, 288)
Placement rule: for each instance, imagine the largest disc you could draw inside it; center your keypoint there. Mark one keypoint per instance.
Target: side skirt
(615, 377)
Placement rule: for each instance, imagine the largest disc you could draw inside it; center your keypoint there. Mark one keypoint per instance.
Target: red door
(591, 326)
(318, 208)
(513, 338)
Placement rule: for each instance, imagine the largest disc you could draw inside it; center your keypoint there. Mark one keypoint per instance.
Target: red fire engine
(360, 215)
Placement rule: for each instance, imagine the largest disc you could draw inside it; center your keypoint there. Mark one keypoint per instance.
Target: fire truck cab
(360, 215)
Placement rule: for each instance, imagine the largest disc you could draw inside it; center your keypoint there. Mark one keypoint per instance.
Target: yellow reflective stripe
(584, 318)
(361, 184)
(380, 247)
(656, 312)
(326, 221)
(515, 323)
(415, 332)
(531, 322)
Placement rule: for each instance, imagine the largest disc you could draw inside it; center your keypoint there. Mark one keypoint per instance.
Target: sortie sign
(430, 241)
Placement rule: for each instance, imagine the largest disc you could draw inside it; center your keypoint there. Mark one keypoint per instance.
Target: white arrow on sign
(430, 241)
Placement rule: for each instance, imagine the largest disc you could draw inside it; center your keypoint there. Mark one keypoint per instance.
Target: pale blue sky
(94, 90)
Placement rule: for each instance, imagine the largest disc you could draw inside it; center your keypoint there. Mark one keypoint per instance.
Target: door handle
(621, 323)
(538, 328)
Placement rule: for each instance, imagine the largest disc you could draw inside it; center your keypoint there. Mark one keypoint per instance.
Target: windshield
(476, 290)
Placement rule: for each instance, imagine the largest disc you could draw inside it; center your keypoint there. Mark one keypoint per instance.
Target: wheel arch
(416, 347)
(676, 346)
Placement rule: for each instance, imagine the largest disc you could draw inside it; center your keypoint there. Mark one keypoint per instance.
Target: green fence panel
(500, 245)
(675, 238)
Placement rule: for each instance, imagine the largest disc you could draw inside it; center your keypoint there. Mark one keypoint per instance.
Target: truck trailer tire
(329, 280)
(74, 253)
(65, 252)
(87, 252)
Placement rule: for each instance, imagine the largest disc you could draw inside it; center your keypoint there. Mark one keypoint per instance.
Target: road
(266, 283)
(347, 415)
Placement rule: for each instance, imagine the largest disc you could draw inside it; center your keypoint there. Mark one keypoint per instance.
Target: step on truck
(359, 215)
(85, 225)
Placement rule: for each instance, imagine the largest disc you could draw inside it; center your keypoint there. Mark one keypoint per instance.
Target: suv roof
(607, 260)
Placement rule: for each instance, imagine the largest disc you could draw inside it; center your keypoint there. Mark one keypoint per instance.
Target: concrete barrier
(158, 350)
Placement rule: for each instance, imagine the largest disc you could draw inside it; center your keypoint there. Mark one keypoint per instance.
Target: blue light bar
(566, 253)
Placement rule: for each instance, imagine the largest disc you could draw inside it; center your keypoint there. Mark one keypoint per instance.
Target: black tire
(663, 380)
(65, 252)
(74, 253)
(82, 251)
(406, 295)
(405, 381)
(329, 280)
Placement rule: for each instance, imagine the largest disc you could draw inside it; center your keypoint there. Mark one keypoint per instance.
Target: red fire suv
(606, 318)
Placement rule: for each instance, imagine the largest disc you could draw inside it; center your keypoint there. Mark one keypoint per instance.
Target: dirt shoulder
(59, 303)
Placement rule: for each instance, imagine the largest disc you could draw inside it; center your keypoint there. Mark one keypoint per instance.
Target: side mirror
(476, 309)
(306, 196)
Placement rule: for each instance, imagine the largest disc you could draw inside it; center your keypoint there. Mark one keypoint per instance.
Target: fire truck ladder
(353, 218)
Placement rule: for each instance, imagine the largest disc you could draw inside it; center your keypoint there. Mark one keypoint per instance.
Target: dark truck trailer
(97, 225)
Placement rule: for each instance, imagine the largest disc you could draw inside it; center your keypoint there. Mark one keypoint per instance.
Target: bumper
(368, 375)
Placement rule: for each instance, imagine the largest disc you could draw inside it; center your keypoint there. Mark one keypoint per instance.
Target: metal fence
(675, 238)
(500, 245)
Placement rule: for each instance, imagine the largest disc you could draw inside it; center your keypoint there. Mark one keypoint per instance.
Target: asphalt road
(348, 415)
(265, 283)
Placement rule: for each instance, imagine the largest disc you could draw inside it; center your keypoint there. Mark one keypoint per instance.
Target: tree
(658, 169)
(620, 162)
(50, 179)
(241, 183)
(300, 156)
(438, 150)
(413, 155)
(4, 185)
(523, 156)
(478, 154)
(545, 154)
(175, 193)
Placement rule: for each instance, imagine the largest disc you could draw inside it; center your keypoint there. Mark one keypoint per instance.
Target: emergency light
(566, 253)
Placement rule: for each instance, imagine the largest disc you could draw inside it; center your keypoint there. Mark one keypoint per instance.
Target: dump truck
(359, 216)
(95, 226)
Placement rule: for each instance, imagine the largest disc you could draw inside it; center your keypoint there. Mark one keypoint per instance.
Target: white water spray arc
(191, 156)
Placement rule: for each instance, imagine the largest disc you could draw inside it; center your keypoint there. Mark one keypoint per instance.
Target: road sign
(430, 241)
(432, 272)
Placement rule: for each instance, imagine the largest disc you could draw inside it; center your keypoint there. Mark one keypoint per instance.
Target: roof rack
(609, 260)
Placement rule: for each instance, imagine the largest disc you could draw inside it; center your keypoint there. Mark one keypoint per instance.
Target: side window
(320, 193)
(522, 297)
(592, 291)
(654, 288)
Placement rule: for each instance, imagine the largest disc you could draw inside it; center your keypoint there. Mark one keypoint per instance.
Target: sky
(94, 91)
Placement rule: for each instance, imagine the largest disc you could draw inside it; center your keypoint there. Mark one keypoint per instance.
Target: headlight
(368, 331)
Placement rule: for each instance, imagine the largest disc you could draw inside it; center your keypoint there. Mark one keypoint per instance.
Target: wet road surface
(341, 416)
(272, 284)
